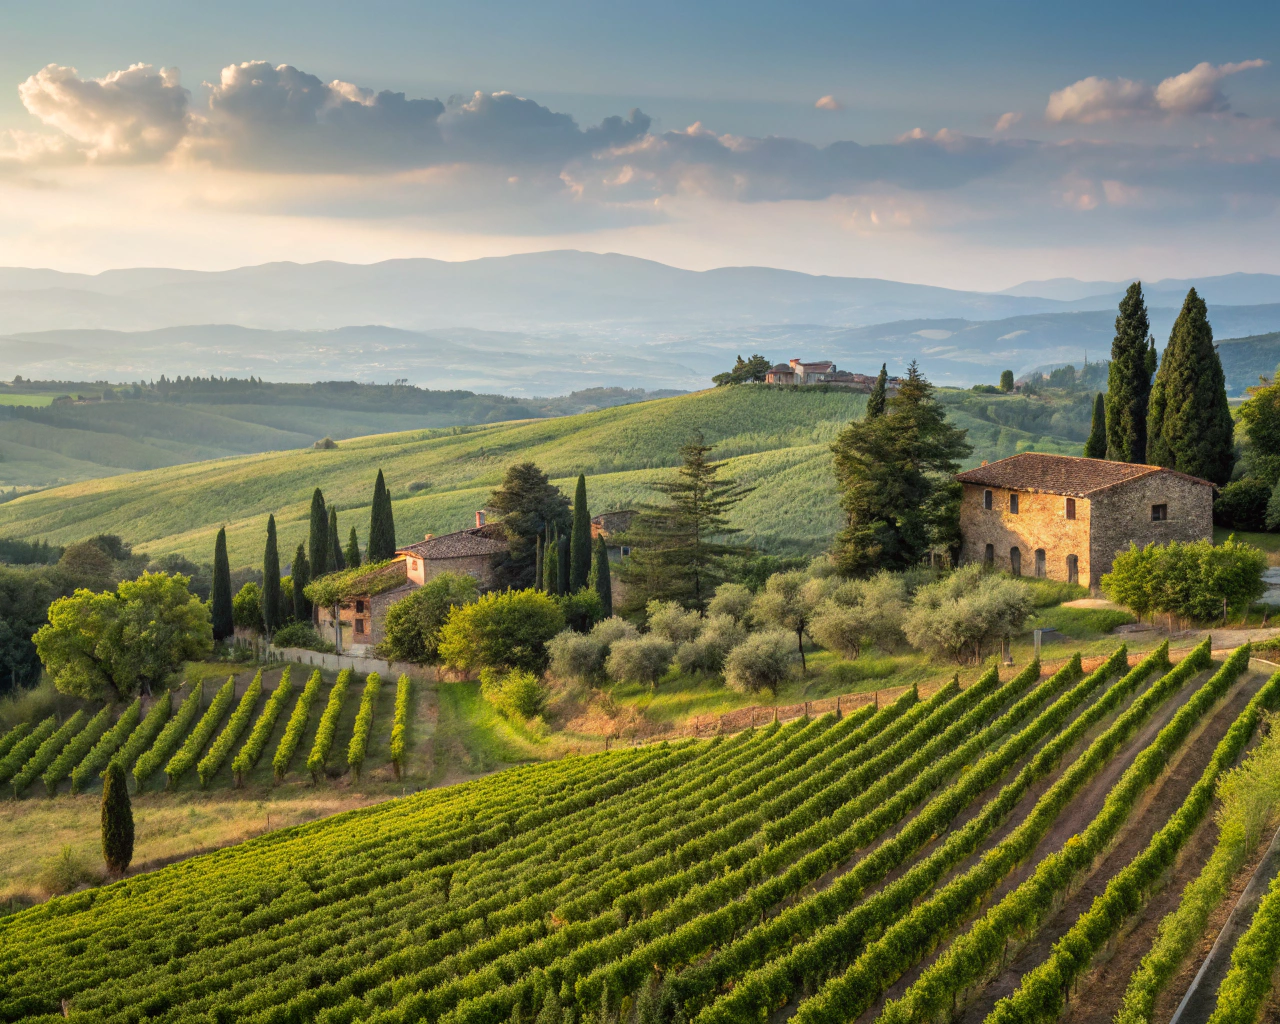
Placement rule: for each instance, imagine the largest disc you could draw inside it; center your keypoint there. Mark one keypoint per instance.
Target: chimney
(479, 518)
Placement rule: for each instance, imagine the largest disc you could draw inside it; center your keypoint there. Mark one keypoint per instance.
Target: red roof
(480, 540)
(1061, 474)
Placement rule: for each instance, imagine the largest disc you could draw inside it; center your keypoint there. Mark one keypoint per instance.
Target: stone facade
(1073, 515)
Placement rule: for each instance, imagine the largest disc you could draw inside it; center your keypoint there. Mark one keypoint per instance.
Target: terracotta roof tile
(480, 540)
(1061, 474)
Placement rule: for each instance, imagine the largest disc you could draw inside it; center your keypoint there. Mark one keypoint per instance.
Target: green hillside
(776, 439)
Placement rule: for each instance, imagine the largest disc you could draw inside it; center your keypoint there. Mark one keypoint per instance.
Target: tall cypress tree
(562, 566)
(1190, 422)
(301, 577)
(352, 555)
(551, 563)
(1096, 446)
(382, 527)
(603, 584)
(318, 538)
(220, 601)
(336, 561)
(538, 554)
(876, 403)
(272, 612)
(1129, 381)
(117, 819)
(580, 539)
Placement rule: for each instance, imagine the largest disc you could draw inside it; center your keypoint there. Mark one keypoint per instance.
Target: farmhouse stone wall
(1122, 514)
(1040, 523)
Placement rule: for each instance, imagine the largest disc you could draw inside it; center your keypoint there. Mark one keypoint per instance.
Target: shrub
(582, 609)
(328, 725)
(251, 752)
(303, 635)
(732, 599)
(1242, 505)
(167, 740)
(296, 727)
(641, 660)
(761, 662)
(66, 873)
(670, 621)
(246, 607)
(221, 749)
(509, 629)
(609, 631)
(1193, 580)
(720, 634)
(96, 759)
(400, 724)
(576, 656)
(412, 631)
(516, 694)
(184, 760)
(359, 745)
(965, 611)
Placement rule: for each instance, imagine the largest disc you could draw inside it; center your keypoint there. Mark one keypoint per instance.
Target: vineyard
(966, 856)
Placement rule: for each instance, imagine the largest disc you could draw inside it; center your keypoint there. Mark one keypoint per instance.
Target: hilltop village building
(798, 372)
(1066, 518)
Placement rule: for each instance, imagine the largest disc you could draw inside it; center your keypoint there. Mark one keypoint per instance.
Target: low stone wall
(337, 662)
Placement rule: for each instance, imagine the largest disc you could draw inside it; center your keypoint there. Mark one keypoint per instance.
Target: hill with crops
(967, 854)
(775, 439)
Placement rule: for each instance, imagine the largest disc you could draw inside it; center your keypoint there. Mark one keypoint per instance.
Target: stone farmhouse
(825, 372)
(1066, 518)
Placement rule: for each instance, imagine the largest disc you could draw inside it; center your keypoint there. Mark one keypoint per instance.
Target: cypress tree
(876, 403)
(603, 584)
(220, 601)
(352, 555)
(272, 613)
(1190, 422)
(1153, 361)
(1129, 381)
(117, 820)
(537, 564)
(382, 527)
(551, 564)
(336, 561)
(580, 540)
(1096, 446)
(301, 577)
(562, 566)
(318, 539)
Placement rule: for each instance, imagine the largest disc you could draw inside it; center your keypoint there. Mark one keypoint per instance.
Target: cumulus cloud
(1094, 99)
(132, 116)
(1008, 120)
(829, 103)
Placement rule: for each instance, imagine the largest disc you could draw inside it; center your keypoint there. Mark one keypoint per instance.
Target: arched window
(1040, 563)
(989, 556)
(1073, 569)
(1015, 561)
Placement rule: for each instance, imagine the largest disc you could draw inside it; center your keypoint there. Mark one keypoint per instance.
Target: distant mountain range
(553, 322)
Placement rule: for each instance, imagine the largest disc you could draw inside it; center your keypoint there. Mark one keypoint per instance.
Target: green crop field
(801, 869)
(775, 440)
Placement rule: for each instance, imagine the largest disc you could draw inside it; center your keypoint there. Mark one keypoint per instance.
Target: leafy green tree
(220, 603)
(25, 595)
(581, 609)
(382, 527)
(117, 820)
(114, 644)
(678, 550)
(895, 478)
(601, 578)
(1006, 380)
(745, 371)
(1260, 417)
(503, 629)
(1096, 446)
(528, 503)
(246, 607)
(1129, 381)
(1272, 516)
(413, 624)
(789, 601)
(318, 536)
(1190, 426)
(272, 613)
(301, 575)
(761, 662)
(1198, 580)
(580, 538)
(879, 393)
(1242, 504)
(337, 562)
(967, 611)
(352, 554)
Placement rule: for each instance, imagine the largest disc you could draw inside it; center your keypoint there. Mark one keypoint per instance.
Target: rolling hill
(776, 439)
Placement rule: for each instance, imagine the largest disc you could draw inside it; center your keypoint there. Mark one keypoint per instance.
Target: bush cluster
(1197, 580)
(517, 694)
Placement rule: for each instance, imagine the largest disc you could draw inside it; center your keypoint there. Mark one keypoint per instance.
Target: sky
(969, 145)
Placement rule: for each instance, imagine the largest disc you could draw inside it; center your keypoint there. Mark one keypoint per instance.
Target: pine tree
(528, 503)
(382, 527)
(876, 403)
(1129, 381)
(1096, 446)
(1190, 422)
(336, 560)
(301, 577)
(562, 566)
(601, 579)
(352, 554)
(272, 613)
(220, 600)
(117, 820)
(551, 564)
(318, 538)
(580, 539)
